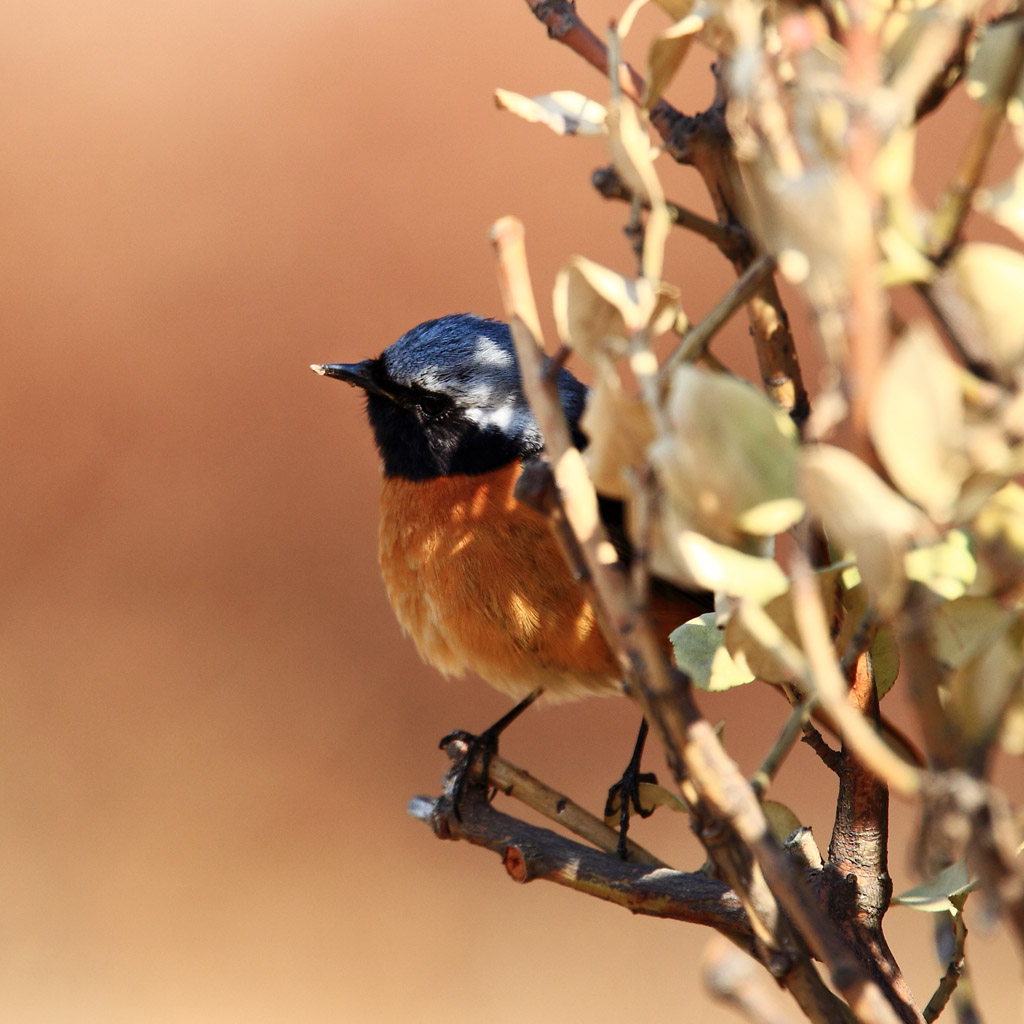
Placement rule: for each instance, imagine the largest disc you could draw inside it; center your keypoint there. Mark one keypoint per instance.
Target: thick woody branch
(857, 878)
(529, 852)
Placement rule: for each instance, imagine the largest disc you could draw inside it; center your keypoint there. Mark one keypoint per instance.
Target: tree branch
(731, 239)
(956, 203)
(529, 852)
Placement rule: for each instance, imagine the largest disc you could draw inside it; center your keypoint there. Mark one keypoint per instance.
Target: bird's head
(447, 398)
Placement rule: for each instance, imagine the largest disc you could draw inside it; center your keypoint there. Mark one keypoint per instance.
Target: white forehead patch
(487, 352)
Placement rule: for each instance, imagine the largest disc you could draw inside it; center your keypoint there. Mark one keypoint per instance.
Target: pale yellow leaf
(718, 567)
(781, 820)
(978, 691)
(598, 310)
(991, 279)
(750, 649)
(960, 630)
(947, 567)
(564, 112)
(619, 429)
(917, 422)
(988, 66)
(863, 515)
(933, 895)
(666, 55)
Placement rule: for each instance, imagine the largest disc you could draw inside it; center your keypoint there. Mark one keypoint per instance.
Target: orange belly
(476, 579)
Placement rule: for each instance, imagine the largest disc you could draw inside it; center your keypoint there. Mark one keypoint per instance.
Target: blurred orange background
(211, 723)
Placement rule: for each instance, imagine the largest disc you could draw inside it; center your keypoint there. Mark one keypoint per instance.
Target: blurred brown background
(211, 725)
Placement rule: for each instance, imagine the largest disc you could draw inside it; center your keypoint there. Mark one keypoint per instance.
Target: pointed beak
(357, 374)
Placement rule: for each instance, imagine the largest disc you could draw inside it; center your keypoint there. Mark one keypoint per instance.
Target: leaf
(1011, 737)
(947, 567)
(631, 151)
(885, 660)
(787, 209)
(620, 430)
(917, 420)
(781, 820)
(698, 646)
(751, 651)
(933, 895)
(730, 462)
(598, 310)
(987, 69)
(998, 528)
(667, 53)
(702, 562)
(633, 158)
(885, 653)
(564, 112)
(960, 630)
(991, 279)
(863, 515)
(982, 643)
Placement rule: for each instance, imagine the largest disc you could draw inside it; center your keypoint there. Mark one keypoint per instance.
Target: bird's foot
(472, 765)
(480, 749)
(624, 795)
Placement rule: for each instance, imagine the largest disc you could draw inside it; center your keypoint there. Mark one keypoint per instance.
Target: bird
(474, 575)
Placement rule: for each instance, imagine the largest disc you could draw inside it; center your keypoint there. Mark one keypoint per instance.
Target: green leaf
(960, 630)
(699, 649)
(933, 895)
(730, 462)
(987, 69)
(947, 567)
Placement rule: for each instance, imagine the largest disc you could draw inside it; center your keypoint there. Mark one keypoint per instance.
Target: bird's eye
(433, 404)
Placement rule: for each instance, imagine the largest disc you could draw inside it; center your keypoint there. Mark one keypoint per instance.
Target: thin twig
(696, 340)
(955, 969)
(956, 203)
(827, 681)
(522, 786)
(791, 732)
(730, 238)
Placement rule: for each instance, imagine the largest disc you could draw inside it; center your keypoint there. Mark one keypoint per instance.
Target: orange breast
(476, 579)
